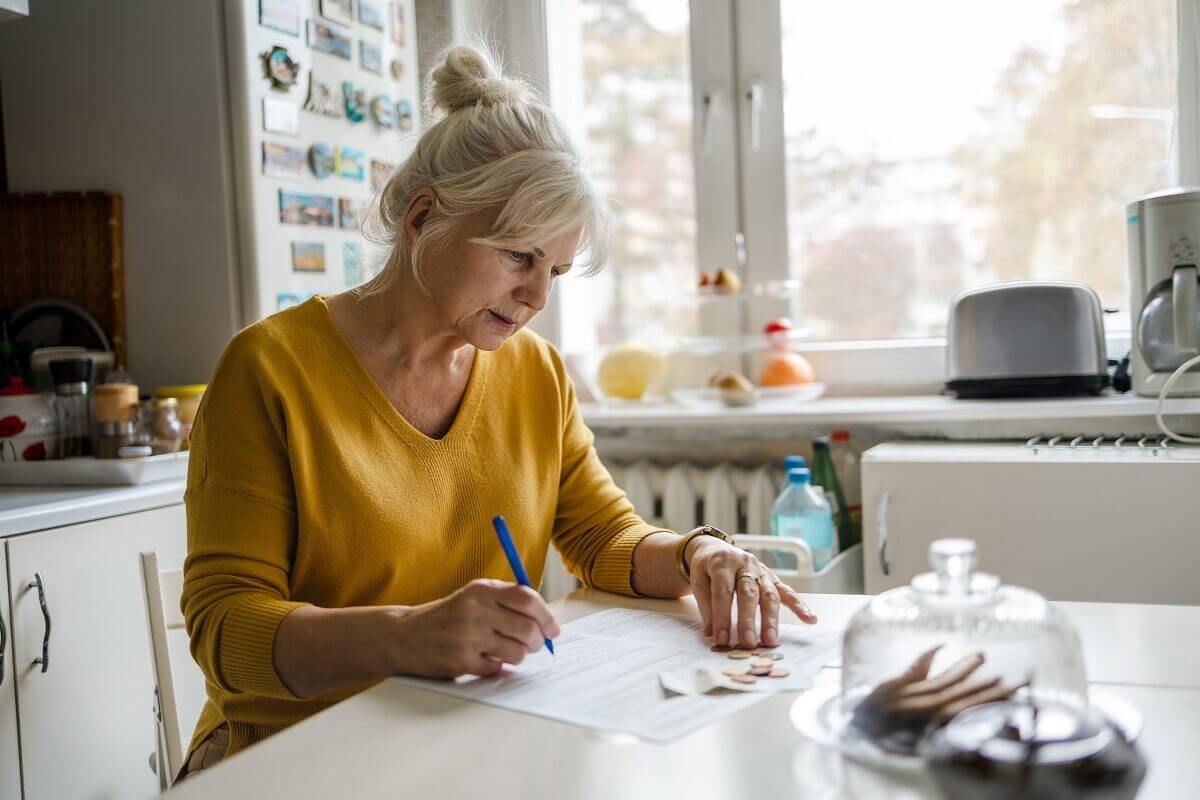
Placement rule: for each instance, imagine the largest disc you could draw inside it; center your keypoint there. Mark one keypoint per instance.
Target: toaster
(1026, 339)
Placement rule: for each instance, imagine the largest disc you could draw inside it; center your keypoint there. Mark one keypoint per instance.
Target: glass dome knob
(953, 560)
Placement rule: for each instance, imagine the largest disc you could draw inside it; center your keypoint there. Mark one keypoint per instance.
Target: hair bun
(469, 77)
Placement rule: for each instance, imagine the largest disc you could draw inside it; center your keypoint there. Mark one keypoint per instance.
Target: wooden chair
(178, 682)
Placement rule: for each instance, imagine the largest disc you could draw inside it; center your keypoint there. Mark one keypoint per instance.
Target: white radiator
(681, 496)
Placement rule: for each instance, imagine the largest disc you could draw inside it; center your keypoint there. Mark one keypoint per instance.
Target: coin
(779, 672)
(761, 672)
(733, 672)
(762, 661)
(775, 656)
(745, 678)
(738, 655)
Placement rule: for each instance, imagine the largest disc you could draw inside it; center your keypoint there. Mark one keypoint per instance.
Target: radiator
(682, 495)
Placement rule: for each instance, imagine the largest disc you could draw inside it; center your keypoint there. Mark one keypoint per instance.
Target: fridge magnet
(287, 300)
(350, 212)
(281, 161)
(321, 160)
(281, 116)
(352, 266)
(404, 115)
(381, 170)
(337, 11)
(383, 112)
(370, 57)
(396, 67)
(301, 208)
(327, 40)
(280, 15)
(351, 163)
(321, 99)
(370, 13)
(280, 68)
(396, 11)
(355, 101)
(308, 257)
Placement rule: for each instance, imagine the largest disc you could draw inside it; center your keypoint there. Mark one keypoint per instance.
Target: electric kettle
(1164, 255)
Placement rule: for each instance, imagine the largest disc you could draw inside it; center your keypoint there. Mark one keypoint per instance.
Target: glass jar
(1004, 640)
(112, 436)
(159, 425)
(72, 404)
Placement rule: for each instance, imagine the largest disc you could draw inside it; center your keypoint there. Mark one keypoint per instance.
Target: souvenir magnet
(380, 172)
(320, 160)
(337, 11)
(327, 40)
(404, 115)
(281, 161)
(321, 99)
(370, 13)
(370, 57)
(308, 257)
(351, 163)
(355, 101)
(280, 15)
(352, 266)
(301, 208)
(397, 14)
(281, 116)
(383, 112)
(280, 68)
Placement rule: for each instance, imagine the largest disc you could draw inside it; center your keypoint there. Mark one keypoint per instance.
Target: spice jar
(158, 421)
(111, 437)
(189, 403)
(116, 407)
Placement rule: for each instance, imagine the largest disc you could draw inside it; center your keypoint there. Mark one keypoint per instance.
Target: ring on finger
(746, 576)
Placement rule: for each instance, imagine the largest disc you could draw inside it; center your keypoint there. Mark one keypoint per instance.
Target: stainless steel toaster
(1026, 339)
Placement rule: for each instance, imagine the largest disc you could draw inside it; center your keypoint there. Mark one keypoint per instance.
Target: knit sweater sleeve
(595, 527)
(241, 522)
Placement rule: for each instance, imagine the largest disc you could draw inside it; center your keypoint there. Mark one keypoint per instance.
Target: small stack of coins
(762, 664)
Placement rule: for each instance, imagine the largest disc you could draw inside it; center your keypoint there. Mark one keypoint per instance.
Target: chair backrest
(178, 679)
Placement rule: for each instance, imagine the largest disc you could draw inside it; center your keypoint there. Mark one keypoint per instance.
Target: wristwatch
(703, 530)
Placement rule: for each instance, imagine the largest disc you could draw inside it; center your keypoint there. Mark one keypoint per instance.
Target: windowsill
(881, 412)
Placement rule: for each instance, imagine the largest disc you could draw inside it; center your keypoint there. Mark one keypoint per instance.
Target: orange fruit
(786, 369)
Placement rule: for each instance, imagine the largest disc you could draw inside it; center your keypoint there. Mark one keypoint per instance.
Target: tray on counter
(95, 471)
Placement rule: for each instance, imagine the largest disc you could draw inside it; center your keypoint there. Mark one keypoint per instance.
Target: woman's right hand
(475, 631)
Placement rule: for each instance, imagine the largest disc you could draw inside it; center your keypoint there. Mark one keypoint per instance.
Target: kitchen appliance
(1085, 518)
(1026, 339)
(1164, 237)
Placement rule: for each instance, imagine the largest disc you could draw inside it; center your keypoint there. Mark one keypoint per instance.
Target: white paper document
(605, 674)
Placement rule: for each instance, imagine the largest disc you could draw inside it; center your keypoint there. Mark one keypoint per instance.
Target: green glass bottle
(825, 476)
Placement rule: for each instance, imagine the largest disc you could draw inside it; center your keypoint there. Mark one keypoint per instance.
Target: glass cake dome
(951, 640)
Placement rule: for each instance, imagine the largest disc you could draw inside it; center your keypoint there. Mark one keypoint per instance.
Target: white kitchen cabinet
(1083, 523)
(10, 755)
(85, 717)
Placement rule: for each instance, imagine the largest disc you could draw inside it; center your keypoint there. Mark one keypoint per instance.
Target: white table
(398, 741)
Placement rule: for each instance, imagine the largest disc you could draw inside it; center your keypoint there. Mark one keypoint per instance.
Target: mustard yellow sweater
(306, 486)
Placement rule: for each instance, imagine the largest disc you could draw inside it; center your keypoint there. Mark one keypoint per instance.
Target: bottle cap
(840, 436)
(795, 462)
(799, 475)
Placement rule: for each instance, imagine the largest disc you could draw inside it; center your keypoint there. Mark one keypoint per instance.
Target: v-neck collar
(345, 353)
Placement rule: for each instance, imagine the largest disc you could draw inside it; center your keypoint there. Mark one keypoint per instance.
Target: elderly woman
(350, 452)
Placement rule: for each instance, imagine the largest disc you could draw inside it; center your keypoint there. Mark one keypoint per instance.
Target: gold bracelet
(703, 530)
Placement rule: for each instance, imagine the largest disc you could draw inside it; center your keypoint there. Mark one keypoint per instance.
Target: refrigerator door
(1086, 524)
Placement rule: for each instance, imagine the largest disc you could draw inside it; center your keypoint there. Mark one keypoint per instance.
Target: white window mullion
(759, 67)
(1185, 155)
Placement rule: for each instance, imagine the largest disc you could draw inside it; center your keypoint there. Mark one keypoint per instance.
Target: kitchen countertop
(24, 509)
(395, 740)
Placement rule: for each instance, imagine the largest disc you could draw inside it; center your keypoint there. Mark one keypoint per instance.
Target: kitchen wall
(72, 75)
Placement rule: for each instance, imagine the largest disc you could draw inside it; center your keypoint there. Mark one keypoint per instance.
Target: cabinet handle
(881, 528)
(40, 585)
(3, 644)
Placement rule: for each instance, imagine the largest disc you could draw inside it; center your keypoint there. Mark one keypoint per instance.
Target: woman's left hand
(720, 573)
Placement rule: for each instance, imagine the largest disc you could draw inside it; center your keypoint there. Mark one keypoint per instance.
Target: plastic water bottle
(802, 513)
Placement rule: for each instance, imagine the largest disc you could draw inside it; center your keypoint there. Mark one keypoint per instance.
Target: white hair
(494, 145)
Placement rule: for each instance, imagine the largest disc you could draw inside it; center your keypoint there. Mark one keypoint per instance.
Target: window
(873, 158)
(938, 145)
(637, 138)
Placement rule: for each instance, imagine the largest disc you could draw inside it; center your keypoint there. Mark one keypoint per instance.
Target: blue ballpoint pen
(514, 560)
